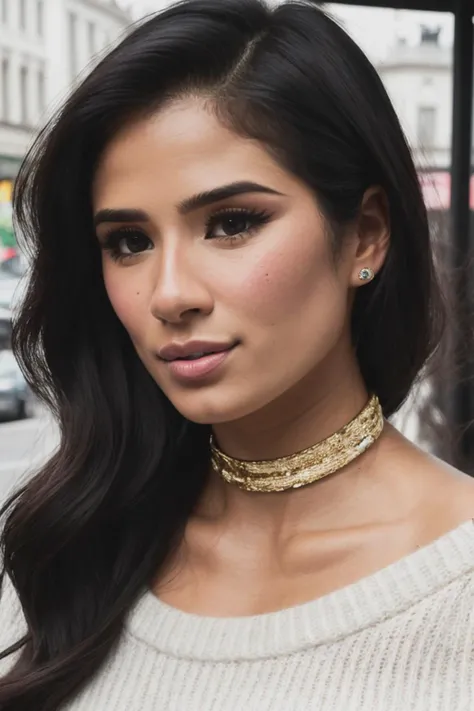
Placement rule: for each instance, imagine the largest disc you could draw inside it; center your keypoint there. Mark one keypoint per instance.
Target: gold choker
(309, 465)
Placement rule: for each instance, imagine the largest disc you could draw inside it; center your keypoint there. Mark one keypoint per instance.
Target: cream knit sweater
(401, 639)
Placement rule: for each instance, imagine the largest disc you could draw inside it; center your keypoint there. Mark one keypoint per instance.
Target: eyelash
(256, 218)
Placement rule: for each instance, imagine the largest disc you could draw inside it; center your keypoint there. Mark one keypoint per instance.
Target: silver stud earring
(366, 274)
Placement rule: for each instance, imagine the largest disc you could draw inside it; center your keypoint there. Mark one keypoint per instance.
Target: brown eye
(230, 224)
(126, 242)
(234, 224)
(133, 243)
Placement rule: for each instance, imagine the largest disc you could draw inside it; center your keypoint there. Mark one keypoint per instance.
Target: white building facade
(44, 46)
(419, 82)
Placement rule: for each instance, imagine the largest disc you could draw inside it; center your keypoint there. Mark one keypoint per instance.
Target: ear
(372, 234)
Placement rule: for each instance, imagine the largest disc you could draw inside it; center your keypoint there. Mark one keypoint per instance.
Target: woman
(232, 289)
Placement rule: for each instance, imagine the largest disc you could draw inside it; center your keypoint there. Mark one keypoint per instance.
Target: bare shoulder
(454, 491)
(444, 495)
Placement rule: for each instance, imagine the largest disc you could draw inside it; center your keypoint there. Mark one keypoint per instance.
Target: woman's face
(206, 239)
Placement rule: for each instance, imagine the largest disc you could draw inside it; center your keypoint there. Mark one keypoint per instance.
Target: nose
(178, 291)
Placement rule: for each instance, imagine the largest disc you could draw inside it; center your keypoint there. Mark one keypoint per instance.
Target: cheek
(127, 297)
(284, 282)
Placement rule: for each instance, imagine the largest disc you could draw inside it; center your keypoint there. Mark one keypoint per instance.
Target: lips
(196, 362)
(192, 350)
(196, 356)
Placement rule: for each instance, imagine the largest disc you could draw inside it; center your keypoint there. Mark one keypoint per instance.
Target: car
(12, 280)
(16, 400)
(8, 287)
(13, 265)
(5, 328)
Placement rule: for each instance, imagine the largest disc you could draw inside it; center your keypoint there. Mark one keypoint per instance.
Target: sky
(374, 29)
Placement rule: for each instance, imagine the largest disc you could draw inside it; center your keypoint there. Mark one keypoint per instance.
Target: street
(24, 445)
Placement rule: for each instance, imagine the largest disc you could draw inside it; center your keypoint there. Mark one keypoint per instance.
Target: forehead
(182, 147)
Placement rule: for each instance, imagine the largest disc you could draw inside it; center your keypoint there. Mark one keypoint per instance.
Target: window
(40, 17)
(72, 21)
(92, 39)
(23, 14)
(5, 89)
(4, 11)
(24, 94)
(426, 126)
(41, 92)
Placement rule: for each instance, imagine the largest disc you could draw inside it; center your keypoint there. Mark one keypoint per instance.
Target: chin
(219, 406)
(212, 411)
(208, 416)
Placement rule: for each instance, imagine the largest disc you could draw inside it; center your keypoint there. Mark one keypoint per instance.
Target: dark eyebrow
(190, 204)
(120, 216)
(222, 193)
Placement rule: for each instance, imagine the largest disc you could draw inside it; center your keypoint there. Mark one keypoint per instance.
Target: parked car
(12, 282)
(14, 265)
(5, 329)
(8, 287)
(16, 400)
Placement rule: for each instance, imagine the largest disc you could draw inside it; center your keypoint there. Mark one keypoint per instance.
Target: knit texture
(401, 639)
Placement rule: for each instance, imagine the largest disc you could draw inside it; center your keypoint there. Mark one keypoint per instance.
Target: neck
(348, 498)
(289, 426)
(312, 411)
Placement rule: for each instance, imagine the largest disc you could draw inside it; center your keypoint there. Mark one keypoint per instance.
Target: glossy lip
(191, 370)
(173, 351)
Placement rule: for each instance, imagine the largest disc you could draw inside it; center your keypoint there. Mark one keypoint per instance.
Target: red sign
(436, 189)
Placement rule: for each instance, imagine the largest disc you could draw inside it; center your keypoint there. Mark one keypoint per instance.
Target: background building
(44, 46)
(419, 81)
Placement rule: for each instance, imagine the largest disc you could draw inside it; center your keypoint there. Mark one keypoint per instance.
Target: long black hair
(93, 528)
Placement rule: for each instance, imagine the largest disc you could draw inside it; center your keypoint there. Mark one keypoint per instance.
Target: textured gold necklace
(310, 464)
